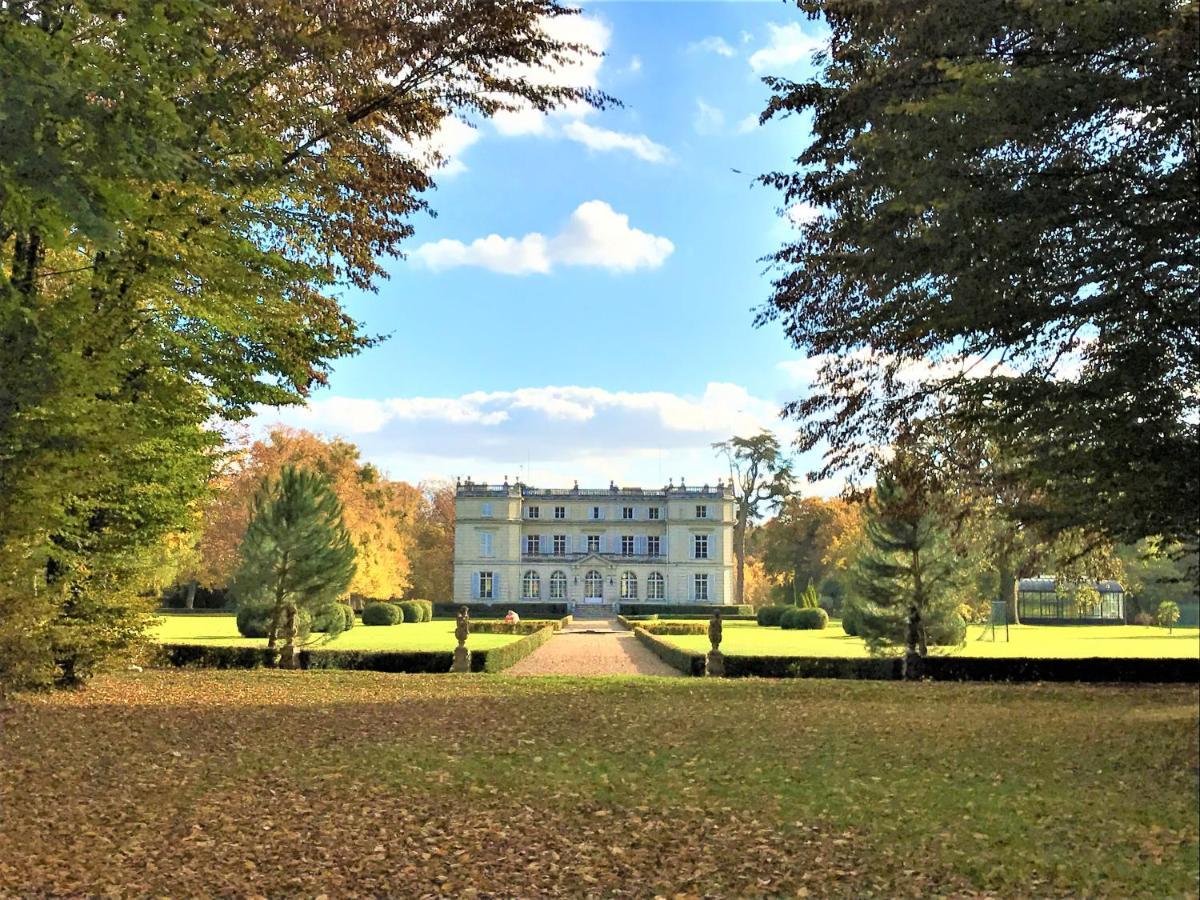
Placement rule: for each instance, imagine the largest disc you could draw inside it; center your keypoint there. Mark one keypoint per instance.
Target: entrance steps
(593, 611)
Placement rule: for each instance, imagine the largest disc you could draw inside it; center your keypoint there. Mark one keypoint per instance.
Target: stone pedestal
(462, 660)
(714, 664)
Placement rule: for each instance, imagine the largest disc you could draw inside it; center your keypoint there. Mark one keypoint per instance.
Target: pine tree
(904, 580)
(297, 555)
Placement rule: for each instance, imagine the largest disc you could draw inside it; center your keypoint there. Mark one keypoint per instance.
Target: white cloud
(804, 213)
(747, 124)
(717, 45)
(595, 235)
(708, 119)
(635, 65)
(579, 71)
(787, 45)
(602, 139)
(441, 150)
(564, 432)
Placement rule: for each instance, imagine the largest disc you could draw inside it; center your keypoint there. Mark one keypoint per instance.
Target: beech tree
(296, 557)
(1000, 205)
(183, 189)
(761, 476)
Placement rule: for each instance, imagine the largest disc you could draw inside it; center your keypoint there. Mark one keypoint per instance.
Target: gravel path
(574, 651)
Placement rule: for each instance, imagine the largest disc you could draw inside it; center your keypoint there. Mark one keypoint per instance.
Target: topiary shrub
(348, 617)
(426, 607)
(804, 618)
(948, 632)
(851, 620)
(410, 610)
(253, 622)
(770, 615)
(381, 614)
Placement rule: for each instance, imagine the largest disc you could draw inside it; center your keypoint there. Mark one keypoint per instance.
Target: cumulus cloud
(579, 70)
(786, 45)
(717, 45)
(443, 149)
(748, 124)
(804, 213)
(708, 119)
(601, 139)
(566, 432)
(594, 235)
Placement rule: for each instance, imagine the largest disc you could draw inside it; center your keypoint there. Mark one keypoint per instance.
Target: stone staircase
(593, 611)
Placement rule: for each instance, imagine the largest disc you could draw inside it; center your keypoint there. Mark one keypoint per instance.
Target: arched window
(531, 586)
(593, 586)
(558, 586)
(654, 586)
(628, 586)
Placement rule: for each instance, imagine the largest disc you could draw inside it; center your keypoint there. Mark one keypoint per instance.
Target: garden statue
(462, 656)
(714, 663)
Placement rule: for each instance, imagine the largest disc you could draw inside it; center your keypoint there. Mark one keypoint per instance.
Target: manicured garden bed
(437, 635)
(1039, 641)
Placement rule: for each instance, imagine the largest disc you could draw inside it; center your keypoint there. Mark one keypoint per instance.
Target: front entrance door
(593, 587)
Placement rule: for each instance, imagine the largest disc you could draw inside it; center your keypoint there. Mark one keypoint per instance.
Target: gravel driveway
(608, 651)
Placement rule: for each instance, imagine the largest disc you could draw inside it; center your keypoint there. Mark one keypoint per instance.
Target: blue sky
(581, 306)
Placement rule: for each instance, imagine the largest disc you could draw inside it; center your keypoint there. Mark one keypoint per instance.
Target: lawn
(222, 630)
(203, 783)
(1071, 641)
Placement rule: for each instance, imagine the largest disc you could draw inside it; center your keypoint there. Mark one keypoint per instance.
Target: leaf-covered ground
(276, 783)
(1070, 641)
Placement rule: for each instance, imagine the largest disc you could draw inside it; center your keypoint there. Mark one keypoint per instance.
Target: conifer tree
(297, 555)
(905, 577)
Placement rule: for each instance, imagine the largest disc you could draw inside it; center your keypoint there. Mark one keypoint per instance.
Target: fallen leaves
(271, 783)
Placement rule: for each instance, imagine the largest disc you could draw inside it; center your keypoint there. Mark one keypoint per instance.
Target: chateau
(598, 547)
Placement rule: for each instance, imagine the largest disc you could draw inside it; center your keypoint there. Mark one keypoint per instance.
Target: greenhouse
(1040, 603)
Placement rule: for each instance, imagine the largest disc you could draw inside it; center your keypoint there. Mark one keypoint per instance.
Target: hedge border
(210, 656)
(525, 626)
(685, 661)
(671, 610)
(525, 609)
(657, 627)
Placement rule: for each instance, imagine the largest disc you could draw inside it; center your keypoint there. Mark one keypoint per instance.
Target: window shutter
(639, 545)
(474, 585)
(540, 547)
(496, 582)
(691, 588)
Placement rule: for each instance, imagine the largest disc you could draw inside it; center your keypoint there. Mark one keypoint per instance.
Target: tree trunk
(1008, 591)
(189, 601)
(287, 658)
(273, 628)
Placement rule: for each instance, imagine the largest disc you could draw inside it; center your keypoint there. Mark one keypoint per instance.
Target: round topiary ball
(381, 614)
(411, 611)
(851, 620)
(948, 632)
(770, 615)
(252, 621)
(348, 618)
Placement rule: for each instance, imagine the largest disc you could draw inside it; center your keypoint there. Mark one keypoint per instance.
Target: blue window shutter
(497, 582)
(474, 585)
(639, 545)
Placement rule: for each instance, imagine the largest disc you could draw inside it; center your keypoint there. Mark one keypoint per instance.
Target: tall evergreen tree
(297, 555)
(905, 577)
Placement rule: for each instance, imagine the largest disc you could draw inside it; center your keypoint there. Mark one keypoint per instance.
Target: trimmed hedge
(804, 618)
(322, 623)
(770, 615)
(656, 627)
(500, 658)
(396, 661)
(410, 611)
(685, 661)
(525, 609)
(253, 622)
(851, 620)
(208, 656)
(525, 626)
(381, 614)
(683, 609)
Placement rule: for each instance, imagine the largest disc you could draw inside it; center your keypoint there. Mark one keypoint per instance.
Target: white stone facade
(587, 546)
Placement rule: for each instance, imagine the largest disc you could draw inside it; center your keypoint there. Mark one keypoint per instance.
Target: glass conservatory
(1039, 603)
